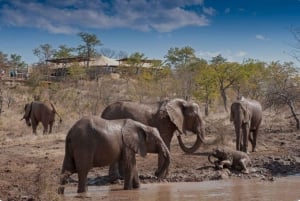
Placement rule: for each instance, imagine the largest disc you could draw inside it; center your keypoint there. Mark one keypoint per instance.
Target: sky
(236, 29)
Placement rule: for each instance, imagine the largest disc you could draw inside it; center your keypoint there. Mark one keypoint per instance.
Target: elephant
(230, 159)
(167, 116)
(36, 112)
(246, 114)
(96, 142)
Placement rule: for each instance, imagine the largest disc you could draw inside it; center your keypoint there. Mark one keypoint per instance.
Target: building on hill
(99, 65)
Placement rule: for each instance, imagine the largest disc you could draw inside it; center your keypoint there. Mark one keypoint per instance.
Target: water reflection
(283, 189)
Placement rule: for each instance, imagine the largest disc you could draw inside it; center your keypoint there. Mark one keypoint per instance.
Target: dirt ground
(30, 165)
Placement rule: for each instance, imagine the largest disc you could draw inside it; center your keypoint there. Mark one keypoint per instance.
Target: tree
(206, 83)
(44, 52)
(88, 49)
(178, 57)
(181, 59)
(252, 79)
(4, 64)
(16, 61)
(64, 52)
(227, 74)
(283, 87)
(108, 53)
(136, 61)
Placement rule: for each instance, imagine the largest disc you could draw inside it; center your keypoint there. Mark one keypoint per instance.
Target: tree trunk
(291, 105)
(224, 97)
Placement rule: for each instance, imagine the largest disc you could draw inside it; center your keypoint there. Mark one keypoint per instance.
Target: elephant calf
(95, 142)
(230, 159)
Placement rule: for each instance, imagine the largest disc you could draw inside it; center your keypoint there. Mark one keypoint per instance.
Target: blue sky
(236, 29)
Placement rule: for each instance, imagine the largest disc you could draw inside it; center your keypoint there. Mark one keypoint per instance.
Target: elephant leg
(50, 127)
(161, 160)
(254, 134)
(114, 172)
(45, 125)
(225, 163)
(82, 180)
(243, 165)
(63, 180)
(136, 180)
(238, 140)
(34, 129)
(245, 128)
(129, 170)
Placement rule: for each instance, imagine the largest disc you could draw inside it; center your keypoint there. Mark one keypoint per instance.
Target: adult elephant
(95, 142)
(167, 116)
(246, 114)
(36, 112)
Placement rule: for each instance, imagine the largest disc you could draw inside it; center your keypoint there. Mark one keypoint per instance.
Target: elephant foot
(61, 190)
(245, 171)
(116, 181)
(82, 195)
(137, 185)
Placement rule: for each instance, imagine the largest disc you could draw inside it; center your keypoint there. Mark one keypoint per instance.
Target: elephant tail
(54, 110)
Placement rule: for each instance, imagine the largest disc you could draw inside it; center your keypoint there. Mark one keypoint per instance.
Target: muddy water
(282, 189)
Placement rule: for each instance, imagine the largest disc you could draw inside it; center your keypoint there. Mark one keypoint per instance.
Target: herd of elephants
(126, 128)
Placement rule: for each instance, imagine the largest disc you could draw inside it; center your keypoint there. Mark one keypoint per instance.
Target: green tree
(206, 82)
(136, 61)
(252, 79)
(227, 75)
(182, 60)
(44, 52)
(16, 61)
(88, 49)
(64, 52)
(178, 57)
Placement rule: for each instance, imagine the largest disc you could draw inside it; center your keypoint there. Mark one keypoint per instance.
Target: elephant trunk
(191, 149)
(199, 140)
(162, 170)
(209, 158)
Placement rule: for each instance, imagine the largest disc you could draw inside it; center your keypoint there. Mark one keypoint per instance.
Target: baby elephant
(230, 159)
(95, 142)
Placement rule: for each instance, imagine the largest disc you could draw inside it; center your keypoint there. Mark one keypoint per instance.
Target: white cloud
(260, 37)
(238, 56)
(209, 11)
(72, 15)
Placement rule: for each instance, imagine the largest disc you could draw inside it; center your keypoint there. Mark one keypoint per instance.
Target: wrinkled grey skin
(95, 142)
(230, 159)
(36, 112)
(246, 115)
(167, 116)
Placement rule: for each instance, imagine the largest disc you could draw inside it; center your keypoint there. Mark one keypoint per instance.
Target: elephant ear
(134, 137)
(175, 111)
(27, 110)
